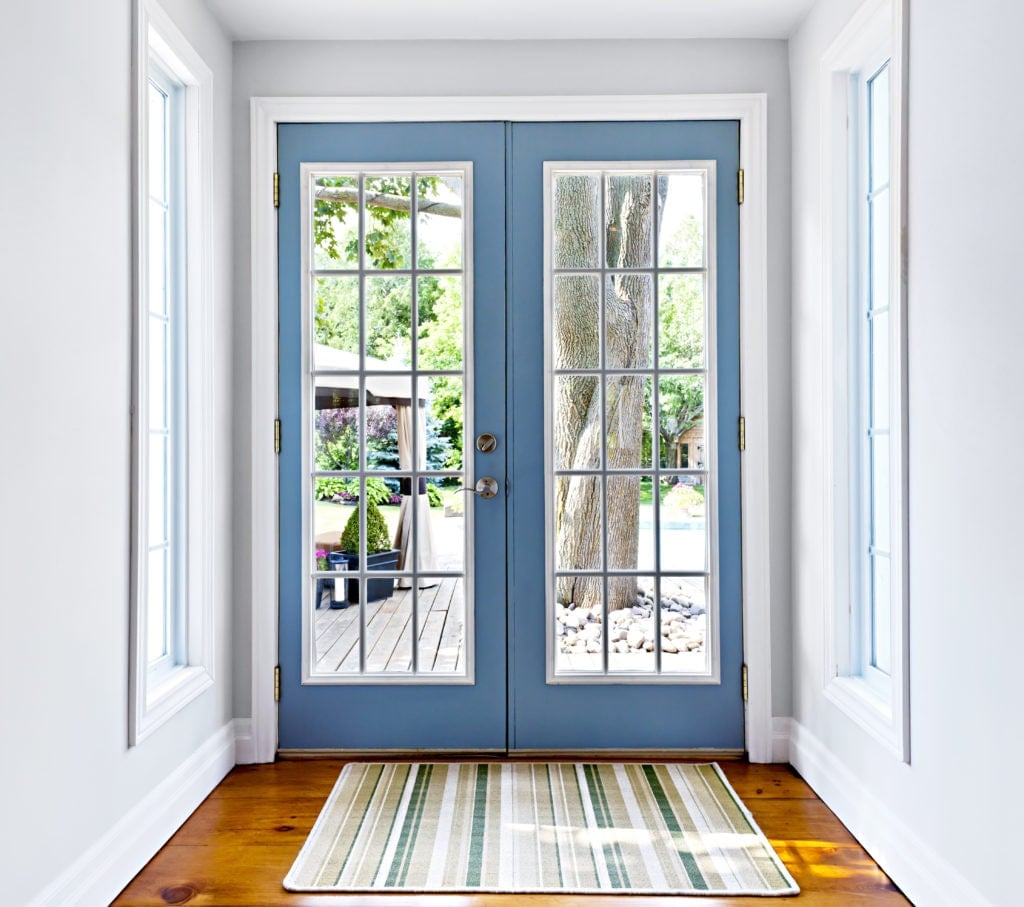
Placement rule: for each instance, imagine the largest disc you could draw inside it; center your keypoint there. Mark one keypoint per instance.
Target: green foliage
(434, 496)
(377, 536)
(326, 489)
(376, 491)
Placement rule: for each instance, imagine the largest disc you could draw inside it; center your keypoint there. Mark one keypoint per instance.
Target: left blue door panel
(412, 716)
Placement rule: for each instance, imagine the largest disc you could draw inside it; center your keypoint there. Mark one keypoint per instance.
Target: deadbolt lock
(486, 443)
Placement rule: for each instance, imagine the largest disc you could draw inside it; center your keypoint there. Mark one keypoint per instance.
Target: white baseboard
(924, 876)
(114, 860)
(245, 745)
(782, 728)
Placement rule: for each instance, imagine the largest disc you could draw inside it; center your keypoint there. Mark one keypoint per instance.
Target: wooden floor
(238, 846)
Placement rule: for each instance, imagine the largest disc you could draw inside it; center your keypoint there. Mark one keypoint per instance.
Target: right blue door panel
(565, 689)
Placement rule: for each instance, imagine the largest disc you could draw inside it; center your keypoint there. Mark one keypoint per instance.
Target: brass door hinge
(277, 683)
(739, 186)
(277, 190)
(743, 681)
(277, 436)
(743, 433)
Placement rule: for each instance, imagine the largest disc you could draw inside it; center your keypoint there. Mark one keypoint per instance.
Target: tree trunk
(628, 306)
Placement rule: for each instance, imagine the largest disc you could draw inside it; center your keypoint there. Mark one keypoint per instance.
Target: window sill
(872, 712)
(172, 694)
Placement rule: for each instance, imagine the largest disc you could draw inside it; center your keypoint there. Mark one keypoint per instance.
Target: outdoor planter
(375, 588)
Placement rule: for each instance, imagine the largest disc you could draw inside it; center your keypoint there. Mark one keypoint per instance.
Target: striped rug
(540, 827)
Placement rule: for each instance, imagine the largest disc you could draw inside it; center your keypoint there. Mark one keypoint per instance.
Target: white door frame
(751, 112)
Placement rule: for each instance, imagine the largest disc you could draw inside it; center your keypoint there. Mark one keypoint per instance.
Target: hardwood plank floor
(237, 847)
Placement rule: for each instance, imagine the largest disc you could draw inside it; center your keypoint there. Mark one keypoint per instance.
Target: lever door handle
(486, 487)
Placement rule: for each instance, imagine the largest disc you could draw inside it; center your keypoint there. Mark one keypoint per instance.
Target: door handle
(486, 487)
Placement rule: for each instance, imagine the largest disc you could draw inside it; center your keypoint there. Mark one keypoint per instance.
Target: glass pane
(579, 531)
(158, 482)
(878, 100)
(681, 321)
(578, 622)
(442, 410)
(439, 310)
(681, 422)
(158, 373)
(880, 401)
(630, 524)
(388, 322)
(627, 421)
(335, 438)
(577, 430)
(880, 251)
(629, 221)
(575, 205)
(157, 603)
(439, 221)
(330, 517)
(681, 220)
(682, 532)
(628, 304)
(336, 322)
(156, 264)
(384, 449)
(441, 610)
(881, 621)
(336, 627)
(336, 223)
(576, 340)
(447, 524)
(632, 636)
(388, 237)
(157, 143)
(880, 493)
(388, 627)
(684, 624)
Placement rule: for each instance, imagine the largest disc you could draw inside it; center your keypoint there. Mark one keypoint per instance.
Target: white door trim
(751, 112)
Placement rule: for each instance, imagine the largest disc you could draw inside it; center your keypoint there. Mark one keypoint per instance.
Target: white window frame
(309, 172)
(711, 674)
(877, 702)
(158, 692)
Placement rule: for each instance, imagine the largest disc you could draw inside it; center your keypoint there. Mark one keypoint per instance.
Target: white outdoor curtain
(425, 561)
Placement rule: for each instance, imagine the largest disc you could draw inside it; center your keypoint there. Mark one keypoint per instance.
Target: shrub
(377, 536)
(434, 496)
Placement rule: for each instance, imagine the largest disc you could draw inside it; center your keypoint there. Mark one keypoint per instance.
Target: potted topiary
(379, 553)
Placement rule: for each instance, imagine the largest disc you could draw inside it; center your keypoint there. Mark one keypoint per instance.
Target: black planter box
(375, 588)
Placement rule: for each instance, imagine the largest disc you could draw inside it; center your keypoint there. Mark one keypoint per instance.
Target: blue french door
(554, 307)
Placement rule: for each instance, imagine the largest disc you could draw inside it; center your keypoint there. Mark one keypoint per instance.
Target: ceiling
(250, 20)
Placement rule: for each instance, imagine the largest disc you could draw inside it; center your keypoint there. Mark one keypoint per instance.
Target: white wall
(289, 68)
(946, 827)
(66, 772)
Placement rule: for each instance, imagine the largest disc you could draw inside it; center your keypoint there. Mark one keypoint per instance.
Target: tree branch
(350, 196)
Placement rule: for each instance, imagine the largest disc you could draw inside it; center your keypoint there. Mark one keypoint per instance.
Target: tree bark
(579, 440)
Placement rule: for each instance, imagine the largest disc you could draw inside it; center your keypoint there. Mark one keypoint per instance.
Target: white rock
(669, 646)
(635, 638)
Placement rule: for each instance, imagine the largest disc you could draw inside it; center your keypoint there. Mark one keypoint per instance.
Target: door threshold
(404, 753)
(566, 755)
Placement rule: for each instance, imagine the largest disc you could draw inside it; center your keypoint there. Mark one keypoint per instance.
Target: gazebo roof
(338, 384)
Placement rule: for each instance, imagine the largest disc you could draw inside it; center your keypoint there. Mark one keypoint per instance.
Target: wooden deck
(441, 612)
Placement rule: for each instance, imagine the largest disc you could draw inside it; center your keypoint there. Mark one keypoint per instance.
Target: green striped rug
(522, 827)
